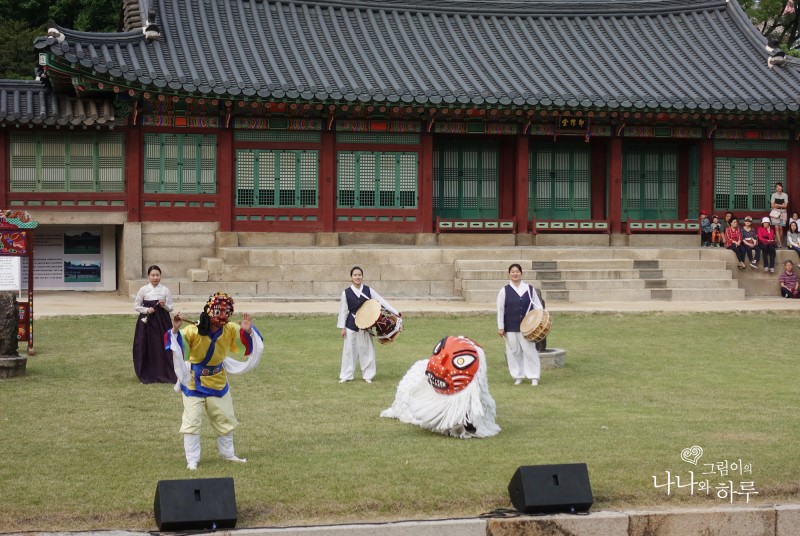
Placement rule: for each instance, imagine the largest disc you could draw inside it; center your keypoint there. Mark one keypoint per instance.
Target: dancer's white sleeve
(255, 344)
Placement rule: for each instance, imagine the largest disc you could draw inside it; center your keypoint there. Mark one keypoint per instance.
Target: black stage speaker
(542, 489)
(202, 503)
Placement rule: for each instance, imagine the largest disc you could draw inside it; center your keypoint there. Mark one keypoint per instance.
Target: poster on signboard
(73, 258)
(10, 273)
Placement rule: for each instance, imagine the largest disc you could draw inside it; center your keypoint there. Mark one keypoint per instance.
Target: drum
(388, 327)
(368, 314)
(536, 325)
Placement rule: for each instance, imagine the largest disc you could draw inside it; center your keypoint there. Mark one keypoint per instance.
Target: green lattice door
(650, 183)
(558, 181)
(466, 177)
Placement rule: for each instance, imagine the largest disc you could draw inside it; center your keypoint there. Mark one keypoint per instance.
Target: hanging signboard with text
(73, 258)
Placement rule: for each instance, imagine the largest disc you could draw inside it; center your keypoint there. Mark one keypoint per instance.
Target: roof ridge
(543, 8)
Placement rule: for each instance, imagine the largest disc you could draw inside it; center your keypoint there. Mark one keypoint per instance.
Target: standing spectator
(717, 236)
(750, 242)
(733, 240)
(153, 302)
(766, 242)
(705, 229)
(793, 237)
(778, 203)
(788, 280)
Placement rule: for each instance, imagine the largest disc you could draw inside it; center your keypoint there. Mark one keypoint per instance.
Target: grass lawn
(83, 444)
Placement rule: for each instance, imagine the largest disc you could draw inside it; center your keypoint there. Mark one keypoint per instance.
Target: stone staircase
(605, 278)
(267, 266)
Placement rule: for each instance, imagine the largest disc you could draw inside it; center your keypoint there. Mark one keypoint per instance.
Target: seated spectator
(766, 241)
(793, 237)
(717, 237)
(733, 240)
(788, 280)
(795, 218)
(750, 242)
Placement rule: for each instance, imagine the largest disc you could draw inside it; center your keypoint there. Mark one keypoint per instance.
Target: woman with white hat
(766, 241)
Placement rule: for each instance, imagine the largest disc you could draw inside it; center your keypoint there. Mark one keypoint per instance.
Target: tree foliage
(776, 19)
(21, 21)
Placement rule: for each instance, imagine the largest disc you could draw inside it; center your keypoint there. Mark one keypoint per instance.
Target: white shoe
(235, 458)
(517, 381)
(191, 466)
(534, 383)
(342, 381)
(368, 381)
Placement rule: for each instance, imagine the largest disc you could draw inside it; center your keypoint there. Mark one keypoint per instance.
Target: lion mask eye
(463, 361)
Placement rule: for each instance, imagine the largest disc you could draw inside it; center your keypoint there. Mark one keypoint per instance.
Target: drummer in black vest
(357, 342)
(514, 301)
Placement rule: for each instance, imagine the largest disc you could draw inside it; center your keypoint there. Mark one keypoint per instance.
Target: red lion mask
(453, 365)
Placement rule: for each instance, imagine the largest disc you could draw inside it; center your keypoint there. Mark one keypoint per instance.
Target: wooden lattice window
(376, 179)
(55, 162)
(180, 163)
(266, 178)
(746, 183)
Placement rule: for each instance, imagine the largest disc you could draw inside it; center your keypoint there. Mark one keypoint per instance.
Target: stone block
(330, 288)
(443, 288)
(48, 217)
(227, 239)
(787, 522)
(180, 227)
(131, 245)
(449, 255)
(524, 239)
(572, 239)
(455, 527)
(372, 239)
(246, 272)
(196, 274)
(409, 269)
(271, 257)
(327, 240)
(484, 265)
(170, 270)
(197, 288)
(171, 240)
(594, 524)
(425, 240)
(212, 264)
(476, 239)
(277, 239)
(618, 239)
(287, 289)
(707, 521)
(233, 255)
(647, 240)
(156, 254)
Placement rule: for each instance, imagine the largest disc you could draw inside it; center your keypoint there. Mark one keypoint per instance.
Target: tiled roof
(636, 54)
(30, 102)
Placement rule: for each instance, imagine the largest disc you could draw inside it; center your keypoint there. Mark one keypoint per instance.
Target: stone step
(692, 283)
(602, 284)
(697, 294)
(617, 295)
(685, 274)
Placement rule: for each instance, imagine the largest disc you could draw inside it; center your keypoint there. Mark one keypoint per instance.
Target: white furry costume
(470, 412)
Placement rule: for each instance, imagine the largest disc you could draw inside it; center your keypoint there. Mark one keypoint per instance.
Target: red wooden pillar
(327, 181)
(134, 177)
(706, 194)
(599, 165)
(683, 181)
(5, 169)
(793, 176)
(521, 180)
(225, 179)
(426, 182)
(615, 184)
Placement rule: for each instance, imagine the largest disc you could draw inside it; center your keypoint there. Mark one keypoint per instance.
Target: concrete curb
(767, 520)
